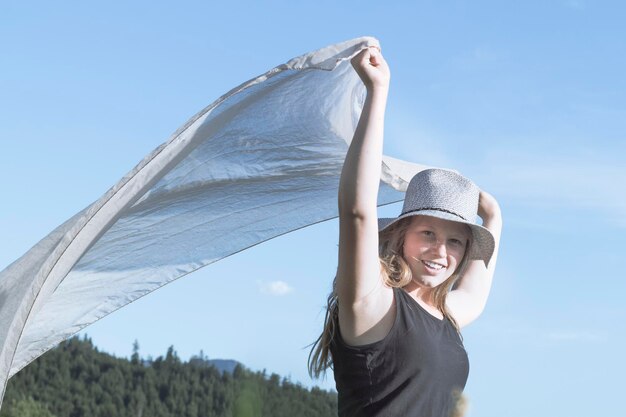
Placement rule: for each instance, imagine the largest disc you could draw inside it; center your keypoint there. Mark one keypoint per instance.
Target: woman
(404, 286)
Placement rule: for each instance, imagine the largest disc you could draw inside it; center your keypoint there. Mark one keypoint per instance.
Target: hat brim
(483, 243)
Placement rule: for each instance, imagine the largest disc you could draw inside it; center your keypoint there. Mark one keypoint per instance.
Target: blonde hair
(396, 274)
(461, 404)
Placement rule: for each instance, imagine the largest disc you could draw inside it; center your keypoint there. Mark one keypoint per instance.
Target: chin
(430, 282)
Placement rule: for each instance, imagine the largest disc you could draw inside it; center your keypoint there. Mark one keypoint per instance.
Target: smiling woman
(405, 285)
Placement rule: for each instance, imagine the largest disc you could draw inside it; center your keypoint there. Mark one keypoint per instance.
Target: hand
(372, 68)
(488, 207)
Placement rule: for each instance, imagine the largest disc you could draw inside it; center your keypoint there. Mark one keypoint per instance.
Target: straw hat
(450, 196)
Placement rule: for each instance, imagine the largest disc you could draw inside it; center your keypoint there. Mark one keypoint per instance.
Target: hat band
(434, 208)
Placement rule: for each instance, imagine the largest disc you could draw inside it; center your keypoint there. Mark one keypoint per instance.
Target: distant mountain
(225, 365)
(222, 365)
(76, 380)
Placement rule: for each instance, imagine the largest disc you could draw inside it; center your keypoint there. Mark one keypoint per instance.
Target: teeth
(432, 265)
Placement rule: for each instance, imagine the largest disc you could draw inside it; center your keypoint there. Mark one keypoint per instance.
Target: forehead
(446, 226)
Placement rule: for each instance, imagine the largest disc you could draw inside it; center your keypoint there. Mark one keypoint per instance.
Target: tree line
(76, 380)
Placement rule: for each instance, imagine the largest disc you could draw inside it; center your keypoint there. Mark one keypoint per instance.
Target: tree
(135, 356)
(75, 380)
(27, 407)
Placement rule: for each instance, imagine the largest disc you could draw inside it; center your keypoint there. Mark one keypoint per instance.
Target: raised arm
(468, 300)
(363, 299)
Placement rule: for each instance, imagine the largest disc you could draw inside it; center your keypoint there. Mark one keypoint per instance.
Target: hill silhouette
(76, 380)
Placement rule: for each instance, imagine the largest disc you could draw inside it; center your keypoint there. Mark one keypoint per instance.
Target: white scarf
(261, 161)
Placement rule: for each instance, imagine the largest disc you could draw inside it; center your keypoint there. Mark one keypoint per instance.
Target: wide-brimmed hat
(450, 196)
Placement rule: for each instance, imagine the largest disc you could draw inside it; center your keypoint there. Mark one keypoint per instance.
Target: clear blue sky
(527, 98)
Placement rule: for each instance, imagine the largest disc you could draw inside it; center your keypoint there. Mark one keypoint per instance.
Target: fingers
(371, 55)
(371, 67)
(375, 57)
(487, 205)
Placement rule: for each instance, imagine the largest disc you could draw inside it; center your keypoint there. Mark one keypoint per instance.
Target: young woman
(404, 286)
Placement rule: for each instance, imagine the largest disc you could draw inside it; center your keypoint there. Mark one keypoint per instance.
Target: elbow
(357, 212)
(356, 204)
(353, 213)
(359, 218)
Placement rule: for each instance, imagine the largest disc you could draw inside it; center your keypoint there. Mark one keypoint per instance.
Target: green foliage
(27, 407)
(76, 380)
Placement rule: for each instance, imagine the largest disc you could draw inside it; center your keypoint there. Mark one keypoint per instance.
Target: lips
(433, 266)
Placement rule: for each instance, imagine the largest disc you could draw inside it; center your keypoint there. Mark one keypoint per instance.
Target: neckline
(440, 320)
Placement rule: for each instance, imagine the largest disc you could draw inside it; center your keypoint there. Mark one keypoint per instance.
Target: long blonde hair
(395, 273)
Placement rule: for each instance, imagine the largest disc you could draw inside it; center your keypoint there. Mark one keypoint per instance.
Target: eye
(457, 243)
(428, 233)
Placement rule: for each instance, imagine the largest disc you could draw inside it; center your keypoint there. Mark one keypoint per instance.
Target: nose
(440, 248)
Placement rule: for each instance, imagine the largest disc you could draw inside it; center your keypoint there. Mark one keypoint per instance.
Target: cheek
(414, 245)
(410, 252)
(456, 259)
(457, 254)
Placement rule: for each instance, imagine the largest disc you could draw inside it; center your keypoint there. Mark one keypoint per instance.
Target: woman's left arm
(467, 301)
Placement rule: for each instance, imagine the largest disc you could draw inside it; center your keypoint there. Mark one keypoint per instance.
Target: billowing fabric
(415, 371)
(261, 161)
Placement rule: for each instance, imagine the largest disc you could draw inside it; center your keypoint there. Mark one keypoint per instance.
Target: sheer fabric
(261, 161)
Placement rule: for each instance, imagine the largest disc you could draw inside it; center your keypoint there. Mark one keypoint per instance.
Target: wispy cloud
(568, 182)
(275, 288)
(533, 331)
(575, 336)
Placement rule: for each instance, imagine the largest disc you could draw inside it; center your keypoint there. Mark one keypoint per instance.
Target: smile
(433, 265)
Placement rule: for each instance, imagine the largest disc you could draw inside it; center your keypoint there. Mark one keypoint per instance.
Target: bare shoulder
(369, 319)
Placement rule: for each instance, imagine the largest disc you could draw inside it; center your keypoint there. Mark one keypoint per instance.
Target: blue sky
(526, 98)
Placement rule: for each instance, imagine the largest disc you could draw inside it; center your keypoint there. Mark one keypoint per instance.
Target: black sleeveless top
(412, 372)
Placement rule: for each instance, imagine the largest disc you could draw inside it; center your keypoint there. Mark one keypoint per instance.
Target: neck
(422, 293)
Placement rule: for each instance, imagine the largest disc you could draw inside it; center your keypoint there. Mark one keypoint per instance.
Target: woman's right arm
(364, 302)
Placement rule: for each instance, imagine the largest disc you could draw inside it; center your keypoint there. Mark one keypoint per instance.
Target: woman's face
(434, 248)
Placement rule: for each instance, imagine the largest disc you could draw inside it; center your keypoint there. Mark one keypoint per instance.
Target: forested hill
(76, 380)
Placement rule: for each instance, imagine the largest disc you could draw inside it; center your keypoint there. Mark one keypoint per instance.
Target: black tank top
(412, 372)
